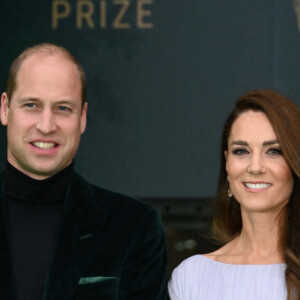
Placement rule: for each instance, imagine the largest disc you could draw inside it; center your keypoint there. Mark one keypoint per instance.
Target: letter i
(102, 13)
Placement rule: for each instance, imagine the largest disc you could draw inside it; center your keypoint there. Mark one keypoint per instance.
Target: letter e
(141, 13)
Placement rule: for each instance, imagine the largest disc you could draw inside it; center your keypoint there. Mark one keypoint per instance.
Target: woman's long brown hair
(284, 116)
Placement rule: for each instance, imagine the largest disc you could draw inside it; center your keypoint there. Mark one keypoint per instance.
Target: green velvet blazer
(109, 247)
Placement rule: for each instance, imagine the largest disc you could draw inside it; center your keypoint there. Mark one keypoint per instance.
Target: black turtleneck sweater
(34, 209)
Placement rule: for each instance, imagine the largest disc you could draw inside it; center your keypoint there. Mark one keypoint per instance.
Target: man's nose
(256, 164)
(46, 122)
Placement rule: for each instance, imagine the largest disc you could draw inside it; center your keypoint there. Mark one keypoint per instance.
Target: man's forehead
(47, 77)
(45, 63)
(39, 59)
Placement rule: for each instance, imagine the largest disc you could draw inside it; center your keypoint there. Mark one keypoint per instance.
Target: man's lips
(257, 185)
(44, 145)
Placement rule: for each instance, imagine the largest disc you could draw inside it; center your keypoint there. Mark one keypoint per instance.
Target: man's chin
(43, 172)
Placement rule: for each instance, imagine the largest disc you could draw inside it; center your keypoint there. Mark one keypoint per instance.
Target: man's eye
(64, 108)
(30, 105)
(239, 151)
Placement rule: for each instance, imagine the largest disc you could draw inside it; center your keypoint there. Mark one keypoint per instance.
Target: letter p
(60, 10)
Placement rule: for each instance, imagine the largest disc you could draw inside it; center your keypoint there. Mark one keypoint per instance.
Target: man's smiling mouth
(257, 186)
(44, 145)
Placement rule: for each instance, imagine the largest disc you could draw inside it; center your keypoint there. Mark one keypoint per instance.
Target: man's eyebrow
(35, 99)
(21, 100)
(64, 102)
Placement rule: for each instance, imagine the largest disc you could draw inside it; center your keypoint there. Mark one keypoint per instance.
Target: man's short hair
(47, 49)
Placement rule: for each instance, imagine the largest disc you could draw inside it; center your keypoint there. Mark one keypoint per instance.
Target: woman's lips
(257, 185)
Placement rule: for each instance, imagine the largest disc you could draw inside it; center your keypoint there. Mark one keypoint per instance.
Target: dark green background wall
(158, 96)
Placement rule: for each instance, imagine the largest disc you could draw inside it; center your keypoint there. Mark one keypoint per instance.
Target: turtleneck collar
(23, 187)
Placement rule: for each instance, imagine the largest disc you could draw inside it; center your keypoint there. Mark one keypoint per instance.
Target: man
(61, 237)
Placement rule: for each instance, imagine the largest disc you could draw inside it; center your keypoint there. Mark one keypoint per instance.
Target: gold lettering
(141, 13)
(85, 14)
(117, 22)
(102, 14)
(56, 14)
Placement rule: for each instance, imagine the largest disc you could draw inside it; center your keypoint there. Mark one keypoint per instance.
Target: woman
(257, 213)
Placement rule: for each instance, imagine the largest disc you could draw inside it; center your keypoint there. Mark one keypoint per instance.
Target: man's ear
(4, 109)
(83, 118)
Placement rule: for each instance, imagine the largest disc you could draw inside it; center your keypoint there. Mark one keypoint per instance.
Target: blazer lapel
(6, 290)
(82, 221)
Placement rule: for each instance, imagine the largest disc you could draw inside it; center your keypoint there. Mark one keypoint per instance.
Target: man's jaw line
(32, 172)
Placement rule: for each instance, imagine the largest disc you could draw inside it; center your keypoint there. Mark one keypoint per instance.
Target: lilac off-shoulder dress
(201, 278)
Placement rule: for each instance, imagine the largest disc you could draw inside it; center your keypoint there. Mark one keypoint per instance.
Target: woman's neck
(257, 243)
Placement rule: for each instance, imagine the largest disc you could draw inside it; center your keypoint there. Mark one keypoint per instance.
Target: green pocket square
(94, 279)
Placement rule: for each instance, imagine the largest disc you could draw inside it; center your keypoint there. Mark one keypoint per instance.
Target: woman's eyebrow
(241, 143)
(266, 143)
(271, 142)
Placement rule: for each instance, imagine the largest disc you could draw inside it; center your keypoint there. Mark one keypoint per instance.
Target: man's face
(44, 117)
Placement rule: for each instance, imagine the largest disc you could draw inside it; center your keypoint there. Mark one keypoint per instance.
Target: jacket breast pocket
(97, 287)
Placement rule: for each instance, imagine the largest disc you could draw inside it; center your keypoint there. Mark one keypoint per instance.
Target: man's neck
(21, 184)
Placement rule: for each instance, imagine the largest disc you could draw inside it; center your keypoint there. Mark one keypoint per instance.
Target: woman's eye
(239, 151)
(275, 151)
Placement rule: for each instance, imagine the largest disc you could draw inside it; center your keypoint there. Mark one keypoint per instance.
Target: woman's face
(259, 177)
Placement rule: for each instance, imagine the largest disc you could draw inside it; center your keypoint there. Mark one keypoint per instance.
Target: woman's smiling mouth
(257, 186)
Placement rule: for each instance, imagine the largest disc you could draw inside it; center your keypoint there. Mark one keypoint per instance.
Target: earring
(229, 191)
